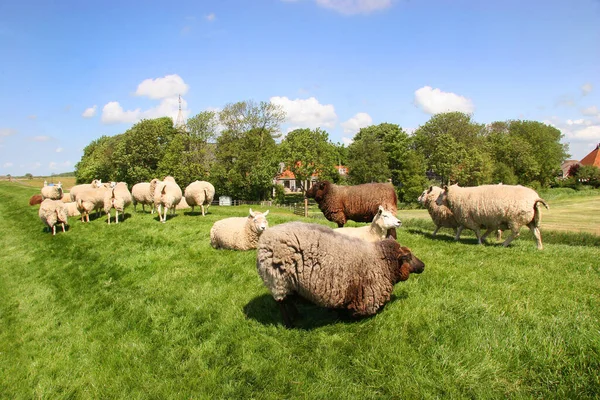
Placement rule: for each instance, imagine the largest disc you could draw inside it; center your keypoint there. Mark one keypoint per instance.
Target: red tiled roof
(593, 158)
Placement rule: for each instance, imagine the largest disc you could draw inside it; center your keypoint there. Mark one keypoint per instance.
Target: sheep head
(318, 190)
(386, 220)
(259, 220)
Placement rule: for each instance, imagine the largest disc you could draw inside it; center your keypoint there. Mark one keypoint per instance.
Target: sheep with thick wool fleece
(239, 233)
(72, 210)
(377, 230)
(96, 183)
(92, 199)
(199, 193)
(52, 192)
(143, 194)
(495, 207)
(167, 194)
(53, 212)
(441, 215)
(330, 269)
(118, 198)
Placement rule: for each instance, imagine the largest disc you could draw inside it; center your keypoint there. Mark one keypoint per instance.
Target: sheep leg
(513, 234)
(192, 209)
(108, 213)
(457, 232)
(538, 236)
(165, 214)
(437, 228)
(63, 226)
(287, 320)
(487, 232)
(53, 230)
(498, 235)
(202, 210)
(478, 234)
(117, 217)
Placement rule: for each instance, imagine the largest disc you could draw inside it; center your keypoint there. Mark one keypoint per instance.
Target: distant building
(288, 180)
(566, 167)
(593, 158)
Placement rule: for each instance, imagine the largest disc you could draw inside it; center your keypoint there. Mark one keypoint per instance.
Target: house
(566, 167)
(593, 158)
(288, 180)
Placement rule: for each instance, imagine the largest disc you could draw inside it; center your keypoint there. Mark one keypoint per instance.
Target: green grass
(149, 310)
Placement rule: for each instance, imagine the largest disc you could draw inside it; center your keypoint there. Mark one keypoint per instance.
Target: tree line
(240, 148)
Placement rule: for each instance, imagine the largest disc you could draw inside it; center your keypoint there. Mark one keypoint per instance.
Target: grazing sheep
(239, 233)
(182, 204)
(167, 194)
(72, 210)
(384, 221)
(199, 193)
(92, 199)
(35, 199)
(118, 198)
(143, 194)
(66, 197)
(495, 207)
(358, 203)
(53, 212)
(330, 269)
(52, 192)
(96, 183)
(441, 215)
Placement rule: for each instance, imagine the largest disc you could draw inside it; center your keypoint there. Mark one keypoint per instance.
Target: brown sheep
(35, 199)
(358, 203)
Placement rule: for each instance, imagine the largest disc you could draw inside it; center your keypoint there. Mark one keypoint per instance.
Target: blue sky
(73, 71)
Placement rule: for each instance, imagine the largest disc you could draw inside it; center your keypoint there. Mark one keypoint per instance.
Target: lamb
(35, 199)
(495, 207)
(53, 212)
(199, 193)
(167, 194)
(441, 215)
(377, 230)
(331, 269)
(358, 203)
(52, 192)
(96, 183)
(142, 193)
(91, 199)
(239, 233)
(118, 198)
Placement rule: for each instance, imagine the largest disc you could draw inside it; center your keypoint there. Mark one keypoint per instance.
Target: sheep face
(386, 219)
(318, 190)
(443, 197)
(259, 220)
(409, 264)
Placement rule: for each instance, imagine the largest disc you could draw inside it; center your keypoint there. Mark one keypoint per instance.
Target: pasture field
(148, 310)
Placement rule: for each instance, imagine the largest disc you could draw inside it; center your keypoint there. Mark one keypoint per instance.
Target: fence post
(305, 207)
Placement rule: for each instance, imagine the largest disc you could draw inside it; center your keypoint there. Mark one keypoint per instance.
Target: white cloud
(4, 132)
(578, 129)
(307, 113)
(160, 88)
(7, 165)
(113, 112)
(351, 7)
(59, 149)
(586, 88)
(354, 124)
(434, 101)
(90, 112)
(591, 111)
(210, 17)
(56, 165)
(40, 138)
(347, 141)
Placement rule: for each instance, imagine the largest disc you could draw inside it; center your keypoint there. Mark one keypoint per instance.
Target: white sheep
(440, 214)
(72, 210)
(239, 233)
(96, 183)
(199, 193)
(52, 192)
(167, 194)
(118, 198)
(53, 212)
(377, 230)
(495, 207)
(91, 199)
(141, 193)
(330, 269)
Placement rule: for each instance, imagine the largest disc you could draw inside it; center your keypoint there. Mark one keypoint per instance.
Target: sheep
(441, 215)
(72, 210)
(167, 194)
(199, 193)
(91, 199)
(330, 269)
(239, 233)
(53, 212)
(377, 230)
(495, 207)
(182, 204)
(358, 203)
(35, 199)
(118, 198)
(52, 192)
(142, 193)
(66, 197)
(96, 183)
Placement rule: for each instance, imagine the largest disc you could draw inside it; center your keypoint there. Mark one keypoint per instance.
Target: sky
(73, 71)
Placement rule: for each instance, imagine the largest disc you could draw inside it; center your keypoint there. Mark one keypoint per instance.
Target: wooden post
(305, 207)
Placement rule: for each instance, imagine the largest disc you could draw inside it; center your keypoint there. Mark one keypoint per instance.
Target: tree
(308, 152)
(589, 175)
(244, 116)
(98, 160)
(367, 161)
(28, 176)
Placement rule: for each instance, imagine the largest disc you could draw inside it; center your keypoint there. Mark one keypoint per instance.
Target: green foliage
(98, 160)
(589, 174)
(367, 159)
(243, 116)
(279, 194)
(28, 176)
(306, 152)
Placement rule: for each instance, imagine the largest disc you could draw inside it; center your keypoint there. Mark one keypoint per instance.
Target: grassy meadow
(148, 310)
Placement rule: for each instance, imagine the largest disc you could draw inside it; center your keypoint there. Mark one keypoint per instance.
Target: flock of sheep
(353, 269)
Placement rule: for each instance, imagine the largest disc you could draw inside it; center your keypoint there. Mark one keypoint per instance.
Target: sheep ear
(252, 214)
(430, 189)
(265, 213)
(380, 210)
(445, 188)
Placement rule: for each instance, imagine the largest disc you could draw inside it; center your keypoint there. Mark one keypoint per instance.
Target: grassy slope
(146, 310)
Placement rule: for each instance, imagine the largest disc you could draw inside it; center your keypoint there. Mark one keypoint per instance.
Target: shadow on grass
(169, 217)
(195, 213)
(264, 309)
